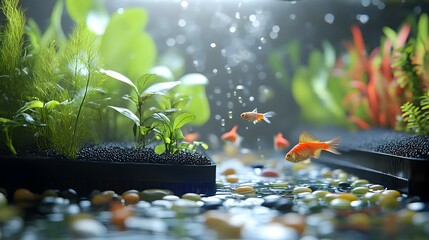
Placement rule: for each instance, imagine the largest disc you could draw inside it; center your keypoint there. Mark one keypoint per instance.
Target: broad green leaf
(178, 134)
(183, 119)
(78, 9)
(161, 87)
(125, 47)
(162, 117)
(160, 149)
(144, 130)
(31, 105)
(143, 81)
(51, 104)
(193, 86)
(119, 77)
(127, 113)
(293, 50)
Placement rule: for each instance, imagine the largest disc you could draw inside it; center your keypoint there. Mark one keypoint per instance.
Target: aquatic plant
(416, 116)
(163, 117)
(20, 119)
(359, 87)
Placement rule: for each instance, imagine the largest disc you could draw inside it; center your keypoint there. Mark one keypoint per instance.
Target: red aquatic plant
(374, 96)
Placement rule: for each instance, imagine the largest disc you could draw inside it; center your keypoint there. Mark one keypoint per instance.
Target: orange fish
(310, 146)
(280, 142)
(191, 137)
(255, 117)
(230, 136)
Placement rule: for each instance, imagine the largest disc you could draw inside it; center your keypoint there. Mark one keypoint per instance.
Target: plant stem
(80, 110)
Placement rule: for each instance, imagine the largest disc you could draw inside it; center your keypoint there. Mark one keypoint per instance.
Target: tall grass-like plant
(12, 54)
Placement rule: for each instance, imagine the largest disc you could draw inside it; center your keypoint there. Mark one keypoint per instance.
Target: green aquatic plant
(12, 90)
(416, 115)
(21, 119)
(141, 94)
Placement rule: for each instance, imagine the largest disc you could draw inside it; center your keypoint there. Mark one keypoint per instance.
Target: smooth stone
(344, 185)
(359, 183)
(146, 224)
(150, 195)
(297, 190)
(270, 200)
(417, 206)
(162, 203)
(211, 203)
(87, 228)
(283, 205)
(191, 196)
(360, 190)
(270, 173)
(171, 198)
(269, 231)
(340, 204)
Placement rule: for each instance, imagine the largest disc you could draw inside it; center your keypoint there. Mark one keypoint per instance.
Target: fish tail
(268, 115)
(333, 145)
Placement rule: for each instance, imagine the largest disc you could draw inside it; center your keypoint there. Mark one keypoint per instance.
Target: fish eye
(242, 115)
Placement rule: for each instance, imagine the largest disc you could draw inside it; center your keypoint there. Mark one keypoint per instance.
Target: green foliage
(125, 47)
(11, 54)
(20, 119)
(318, 91)
(416, 116)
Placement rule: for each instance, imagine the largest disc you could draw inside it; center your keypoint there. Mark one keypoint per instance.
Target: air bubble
(228, 69)
(213, 45)
(239, 87)
(237, 15)
(184, 4)
(363, 18)
(218, 117)
(251, 98)
(234, 93)
(292, 16)
(276, 29)
(181, 22)
(329, 18)
(230, 105)
(214, 71)
(240, 99)
(222, 122)
(230, 114)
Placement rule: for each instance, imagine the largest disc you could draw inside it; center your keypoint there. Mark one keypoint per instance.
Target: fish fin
(267, 115)
(256, 121)
(317, 153)
(255, 110)
(333, 145)
(307, 137)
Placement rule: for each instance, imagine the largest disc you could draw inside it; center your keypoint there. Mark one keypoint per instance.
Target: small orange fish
(191, 137)
(230, 136)
(280, 142)
(310, 146)
(255, 117)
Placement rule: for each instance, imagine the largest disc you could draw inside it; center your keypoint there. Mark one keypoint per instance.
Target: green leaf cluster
(416, 116)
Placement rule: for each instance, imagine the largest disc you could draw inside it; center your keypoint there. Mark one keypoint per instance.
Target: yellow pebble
(229, 171)
(394, 193)
(191, 196)
(376, 187)
(348, 196)
(331, 196)
(244, 190)
(320, 193)
(232, 178)
(297, 190)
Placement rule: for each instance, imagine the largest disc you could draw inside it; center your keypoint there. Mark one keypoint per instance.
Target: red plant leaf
(359, 122)
(403, 35)
(360, 45)
(386, 68)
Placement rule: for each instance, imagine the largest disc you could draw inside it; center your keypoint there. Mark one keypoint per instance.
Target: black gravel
(117, 152)
(388, 142)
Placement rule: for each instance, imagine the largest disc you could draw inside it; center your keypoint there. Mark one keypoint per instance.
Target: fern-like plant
(416, 117)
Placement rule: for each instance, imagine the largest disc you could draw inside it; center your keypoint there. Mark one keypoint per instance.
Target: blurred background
(251, 52)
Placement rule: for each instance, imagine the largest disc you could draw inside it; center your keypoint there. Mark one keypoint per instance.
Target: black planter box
(395, 159)
(38, 175)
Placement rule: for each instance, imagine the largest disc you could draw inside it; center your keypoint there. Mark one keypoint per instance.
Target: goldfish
(230, 136)
(310, 146)
(280, 142)
(191, 137)
(255, 117)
